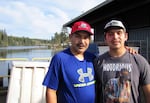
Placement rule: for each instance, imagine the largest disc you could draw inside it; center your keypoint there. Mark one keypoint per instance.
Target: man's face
(79, 41)
(115, 38)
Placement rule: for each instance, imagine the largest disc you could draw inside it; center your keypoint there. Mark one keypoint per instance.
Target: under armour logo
(83, 25)
(83, 75)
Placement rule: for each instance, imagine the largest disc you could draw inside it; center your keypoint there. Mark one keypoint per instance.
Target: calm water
(27, 52)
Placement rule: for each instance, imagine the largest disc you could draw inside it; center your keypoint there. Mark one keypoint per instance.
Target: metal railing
(24, 59)
(12, 59)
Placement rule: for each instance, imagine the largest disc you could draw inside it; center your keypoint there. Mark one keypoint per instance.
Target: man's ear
(104, 37)
(70, 36)
(126, 36)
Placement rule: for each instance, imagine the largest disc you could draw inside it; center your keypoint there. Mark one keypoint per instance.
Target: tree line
(58, 40)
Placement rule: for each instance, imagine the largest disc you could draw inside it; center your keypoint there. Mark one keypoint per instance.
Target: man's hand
(131, 50)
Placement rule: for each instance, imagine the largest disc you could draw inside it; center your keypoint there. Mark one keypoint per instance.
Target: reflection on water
(21, 47)
(28, 52)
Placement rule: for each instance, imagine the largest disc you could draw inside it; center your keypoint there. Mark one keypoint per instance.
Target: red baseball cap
(81, 26)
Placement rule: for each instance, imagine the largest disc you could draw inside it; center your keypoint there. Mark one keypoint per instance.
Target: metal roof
(68, 24)
(107, 9)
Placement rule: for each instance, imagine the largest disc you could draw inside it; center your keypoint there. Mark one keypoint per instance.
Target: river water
(25, 52)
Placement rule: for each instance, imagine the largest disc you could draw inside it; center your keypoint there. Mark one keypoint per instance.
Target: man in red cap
(70, 78)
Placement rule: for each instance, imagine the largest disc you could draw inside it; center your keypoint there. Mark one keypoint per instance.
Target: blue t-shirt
(73, 79)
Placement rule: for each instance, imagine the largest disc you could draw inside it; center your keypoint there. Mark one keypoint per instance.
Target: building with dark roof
(133, 13)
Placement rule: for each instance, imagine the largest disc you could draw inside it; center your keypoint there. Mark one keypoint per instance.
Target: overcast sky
(40, 18)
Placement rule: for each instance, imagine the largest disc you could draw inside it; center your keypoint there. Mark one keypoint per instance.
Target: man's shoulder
(140, 61)
(139, 58)
(62, 54)
(99, 60)
(102, 56)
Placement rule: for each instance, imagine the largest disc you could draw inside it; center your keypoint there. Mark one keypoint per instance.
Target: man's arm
(51, 96)
(146, 90)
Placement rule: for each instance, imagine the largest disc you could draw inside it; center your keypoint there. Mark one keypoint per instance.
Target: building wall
(140, 37)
